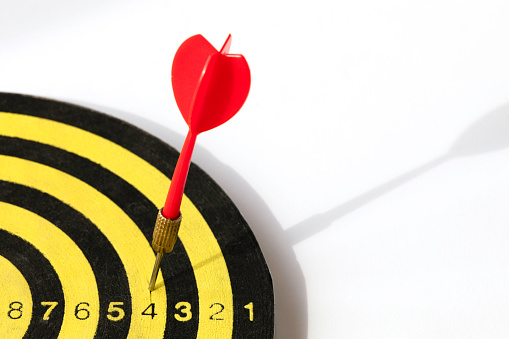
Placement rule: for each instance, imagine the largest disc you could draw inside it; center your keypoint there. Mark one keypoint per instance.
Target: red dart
(210, 87)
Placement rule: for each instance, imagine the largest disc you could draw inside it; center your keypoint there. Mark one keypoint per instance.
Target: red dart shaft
(171, 209)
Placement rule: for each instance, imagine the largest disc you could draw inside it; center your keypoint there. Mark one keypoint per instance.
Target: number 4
(152, 308)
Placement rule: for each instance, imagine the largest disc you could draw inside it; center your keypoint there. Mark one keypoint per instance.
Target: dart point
(153, 279)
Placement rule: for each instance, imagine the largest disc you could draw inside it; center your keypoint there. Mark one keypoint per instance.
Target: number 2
(221, 309)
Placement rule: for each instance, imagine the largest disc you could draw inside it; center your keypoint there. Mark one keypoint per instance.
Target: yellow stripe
(71, 266)
(14, 288)
(127, 239)
(210, 269)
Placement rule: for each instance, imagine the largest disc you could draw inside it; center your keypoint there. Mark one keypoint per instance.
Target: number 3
(185, 308)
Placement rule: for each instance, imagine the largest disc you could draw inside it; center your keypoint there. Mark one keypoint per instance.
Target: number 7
(52, 305)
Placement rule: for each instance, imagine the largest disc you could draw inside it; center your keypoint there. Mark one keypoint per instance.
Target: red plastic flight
(210, 87)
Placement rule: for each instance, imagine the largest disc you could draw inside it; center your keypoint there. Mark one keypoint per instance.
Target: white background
(371, 158)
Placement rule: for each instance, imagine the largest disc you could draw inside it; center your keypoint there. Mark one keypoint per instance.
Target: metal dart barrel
(164, 238)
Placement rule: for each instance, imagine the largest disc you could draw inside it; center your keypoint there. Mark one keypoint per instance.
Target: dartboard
(79, 194)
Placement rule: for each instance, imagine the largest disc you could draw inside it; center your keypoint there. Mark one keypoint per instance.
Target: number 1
(251, 311)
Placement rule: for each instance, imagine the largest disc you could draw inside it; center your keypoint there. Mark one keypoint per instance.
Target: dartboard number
(114, 308)
(15, 311)
(218, 308)
(250, 307)
(52, 305)
(116, 312)
(152, 308)
(184, 308)
(80, 312)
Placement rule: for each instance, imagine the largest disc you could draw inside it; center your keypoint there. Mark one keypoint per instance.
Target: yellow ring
(14, 288)
(210, 269)
(124, 235)
(73, 270)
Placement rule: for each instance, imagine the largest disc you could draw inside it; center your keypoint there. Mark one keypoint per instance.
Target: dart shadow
(488, 134)
(207, 261)
(291, 306)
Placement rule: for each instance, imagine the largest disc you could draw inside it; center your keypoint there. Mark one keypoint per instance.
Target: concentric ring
(14, 287)
(111, 177)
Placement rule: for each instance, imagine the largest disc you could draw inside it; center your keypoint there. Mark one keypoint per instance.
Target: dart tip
(153, 279)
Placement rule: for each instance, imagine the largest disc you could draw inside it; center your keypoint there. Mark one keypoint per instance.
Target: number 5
(113, 308)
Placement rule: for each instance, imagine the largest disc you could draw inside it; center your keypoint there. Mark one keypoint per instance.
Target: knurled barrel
(165, 233)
